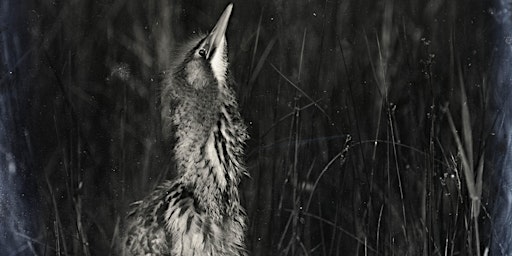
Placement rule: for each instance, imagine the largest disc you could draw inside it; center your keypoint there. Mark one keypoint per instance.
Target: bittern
(199, 212)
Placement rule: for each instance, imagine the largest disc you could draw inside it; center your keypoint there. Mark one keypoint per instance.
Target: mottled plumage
(198, 213)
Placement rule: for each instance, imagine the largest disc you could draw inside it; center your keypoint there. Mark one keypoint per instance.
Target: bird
(199, 211)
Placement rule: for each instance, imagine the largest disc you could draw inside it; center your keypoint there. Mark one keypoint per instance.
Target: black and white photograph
(255, 128)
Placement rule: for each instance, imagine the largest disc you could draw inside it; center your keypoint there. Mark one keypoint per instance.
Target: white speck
(272, 18)
(121, 71)
(314, 14)
(12, 167)
(425, 41)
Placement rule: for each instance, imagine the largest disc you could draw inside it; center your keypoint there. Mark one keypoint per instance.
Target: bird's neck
(212, 167)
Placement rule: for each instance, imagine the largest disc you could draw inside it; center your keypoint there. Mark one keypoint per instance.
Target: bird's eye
(202, 53)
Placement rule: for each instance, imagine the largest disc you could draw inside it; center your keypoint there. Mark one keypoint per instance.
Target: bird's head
(208, 59)
(192, 87)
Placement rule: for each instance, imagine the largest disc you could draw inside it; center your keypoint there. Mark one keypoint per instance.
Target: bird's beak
(218, 32)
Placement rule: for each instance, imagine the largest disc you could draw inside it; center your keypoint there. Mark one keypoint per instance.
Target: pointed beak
(218, 32)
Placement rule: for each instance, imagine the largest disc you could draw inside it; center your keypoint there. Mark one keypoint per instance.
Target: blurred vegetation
(368, 120)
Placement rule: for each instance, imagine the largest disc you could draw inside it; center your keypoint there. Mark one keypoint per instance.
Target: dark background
(377, 127)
